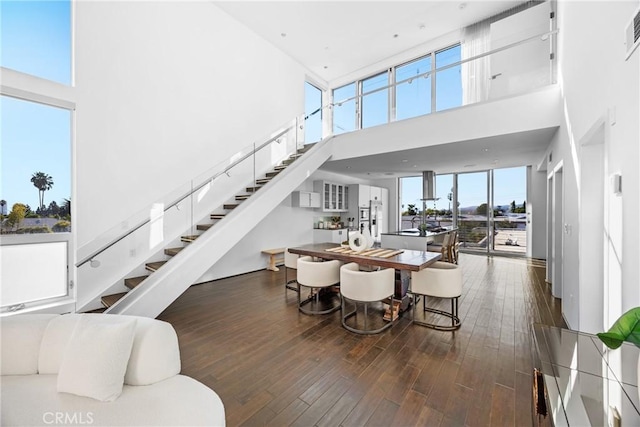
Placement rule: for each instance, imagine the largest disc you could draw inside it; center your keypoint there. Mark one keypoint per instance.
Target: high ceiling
(335, 38)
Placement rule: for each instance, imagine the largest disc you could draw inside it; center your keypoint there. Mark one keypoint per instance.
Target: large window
(35, 38)
(412, 89)
(413, 97)
(344, 110)
(375, 105)
(448, 81)
(36, 167)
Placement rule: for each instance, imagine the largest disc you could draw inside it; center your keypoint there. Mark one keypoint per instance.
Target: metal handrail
(186, 195)
(446, 67)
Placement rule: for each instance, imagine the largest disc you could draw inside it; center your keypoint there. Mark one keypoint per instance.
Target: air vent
(632, 33)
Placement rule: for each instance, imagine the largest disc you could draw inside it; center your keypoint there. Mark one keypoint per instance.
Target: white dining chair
(318, 276)
(440, 280)
(290, 262)
(366, 287)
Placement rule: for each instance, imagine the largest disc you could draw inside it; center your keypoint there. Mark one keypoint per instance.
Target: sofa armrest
(21, 336)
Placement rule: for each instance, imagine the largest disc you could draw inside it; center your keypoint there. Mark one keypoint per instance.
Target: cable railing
(247, 164)
(508, 70)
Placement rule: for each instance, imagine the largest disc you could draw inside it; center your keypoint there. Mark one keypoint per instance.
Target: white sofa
(34, 347)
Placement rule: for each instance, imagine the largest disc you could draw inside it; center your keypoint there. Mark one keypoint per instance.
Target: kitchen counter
(416, 233)
(408, 239)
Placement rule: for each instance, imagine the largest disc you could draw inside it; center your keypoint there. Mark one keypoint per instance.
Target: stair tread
(243, 196)
(132, 282)
(280, 167)
(189, 238)
(253, 189)
(109, 300)
(229, 206)
(97, 310)
(217, 216)
(154, 266)
(204, 227)
(173, 251)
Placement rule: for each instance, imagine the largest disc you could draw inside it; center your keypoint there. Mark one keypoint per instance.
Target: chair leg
(364, 331)
(453, 315)
(288, 283)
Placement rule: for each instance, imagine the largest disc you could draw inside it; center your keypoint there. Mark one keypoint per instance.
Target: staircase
(168, 278)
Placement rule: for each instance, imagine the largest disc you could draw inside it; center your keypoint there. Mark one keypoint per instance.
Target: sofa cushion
(178, 401)
(21, 336)
(96, 357)
(155, 354)
(54, 342)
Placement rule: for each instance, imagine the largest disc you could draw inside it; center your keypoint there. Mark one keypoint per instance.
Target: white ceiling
(523, 148)
(335, 38)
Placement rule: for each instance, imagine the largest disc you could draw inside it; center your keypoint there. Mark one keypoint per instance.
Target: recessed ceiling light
(415, 166)
(462, 6)
(469, 166)
(283, 34)
(348, 167)
(325, 67)
(395, 36)
(388, 173)
(404, 160)
(485, 150)
(422, 26)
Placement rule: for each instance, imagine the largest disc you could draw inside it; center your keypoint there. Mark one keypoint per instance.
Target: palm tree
(42, 182)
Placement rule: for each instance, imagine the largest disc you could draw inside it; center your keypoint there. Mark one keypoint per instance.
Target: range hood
(428, 185)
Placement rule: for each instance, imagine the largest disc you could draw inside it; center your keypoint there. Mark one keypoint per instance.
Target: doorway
(555, 230)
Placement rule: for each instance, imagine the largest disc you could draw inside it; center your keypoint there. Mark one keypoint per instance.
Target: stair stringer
(160, 289)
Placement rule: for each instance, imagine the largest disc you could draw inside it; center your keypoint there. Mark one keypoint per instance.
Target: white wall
(166, 90)
(596, 80)
(284, 226)
(537, 213)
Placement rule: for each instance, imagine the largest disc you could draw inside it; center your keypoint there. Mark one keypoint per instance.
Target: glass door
(474, 213)
(510, 210)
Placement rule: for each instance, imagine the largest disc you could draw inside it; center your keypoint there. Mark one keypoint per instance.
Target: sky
(509, 184)
(35, 38)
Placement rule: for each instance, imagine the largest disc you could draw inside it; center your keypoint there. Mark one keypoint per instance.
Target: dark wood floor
(244, 338)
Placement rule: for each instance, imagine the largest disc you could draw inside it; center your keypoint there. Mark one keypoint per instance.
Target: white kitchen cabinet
(305, 199)
(334, 196)
(364, 195)
(330, 236)
(375, 193)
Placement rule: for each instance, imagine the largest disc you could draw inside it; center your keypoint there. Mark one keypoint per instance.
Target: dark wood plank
(271, 365)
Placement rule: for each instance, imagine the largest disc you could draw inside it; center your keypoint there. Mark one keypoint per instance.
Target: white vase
(367, 237)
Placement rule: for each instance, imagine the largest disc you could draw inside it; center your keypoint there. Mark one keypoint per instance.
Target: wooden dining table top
(410, 260)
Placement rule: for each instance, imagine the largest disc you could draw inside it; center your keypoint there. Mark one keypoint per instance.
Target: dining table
(404, 261)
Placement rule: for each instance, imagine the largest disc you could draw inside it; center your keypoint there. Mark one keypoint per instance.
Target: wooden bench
(274, 258)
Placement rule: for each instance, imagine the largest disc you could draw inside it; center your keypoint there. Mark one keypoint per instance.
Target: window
(449, 81)
(375, 106)
(413, 98)
(312, 113)
(36, 167)
(344, 112)
(35, 38)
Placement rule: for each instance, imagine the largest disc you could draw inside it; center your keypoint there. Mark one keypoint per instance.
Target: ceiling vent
(632, 33)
